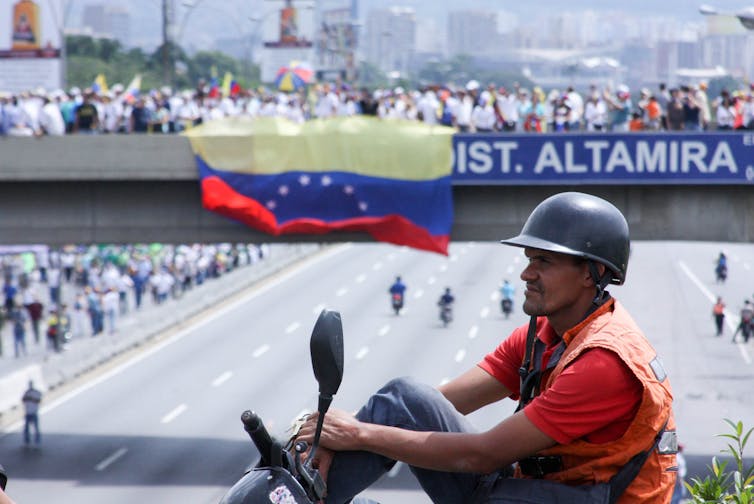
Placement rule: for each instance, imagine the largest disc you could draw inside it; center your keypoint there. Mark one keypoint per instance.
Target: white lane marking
(341, 292)
(292, 327)
(431, 280)
(318, 309)
(363, 351)
(384, 330)
(377, 266)
(444, 381)
(111, 459)
(711, 297)
(174, 414)
(460, 355)
(220, 312)
(444, 267)
(222, 379)
(494, 296)
(261, 350)
(361, 278)
(485, 311)
(453, 258)
(392, 473)
(473, 332)
(509, 270)
(418, 294)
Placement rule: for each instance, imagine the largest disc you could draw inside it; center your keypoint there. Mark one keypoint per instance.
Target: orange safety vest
(719, 309)
(584, 463)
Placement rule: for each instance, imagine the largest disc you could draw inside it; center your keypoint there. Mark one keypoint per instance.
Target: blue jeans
(32, 420)
(408, 404)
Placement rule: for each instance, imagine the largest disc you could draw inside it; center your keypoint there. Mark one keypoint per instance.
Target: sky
(211, 19)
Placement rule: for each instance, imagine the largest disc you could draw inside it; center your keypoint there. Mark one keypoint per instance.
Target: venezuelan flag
(391, 179)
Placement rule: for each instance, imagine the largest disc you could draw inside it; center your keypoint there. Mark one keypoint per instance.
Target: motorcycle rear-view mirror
(326, 346)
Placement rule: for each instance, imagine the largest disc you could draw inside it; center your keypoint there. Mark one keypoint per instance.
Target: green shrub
(721, 486)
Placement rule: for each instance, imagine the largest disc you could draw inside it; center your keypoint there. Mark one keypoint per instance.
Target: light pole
(744, 16)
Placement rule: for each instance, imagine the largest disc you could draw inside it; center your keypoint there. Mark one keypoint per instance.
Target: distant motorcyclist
(446, 306)
(721, 269)
(447, 298)
(507, 291)
(397, 293)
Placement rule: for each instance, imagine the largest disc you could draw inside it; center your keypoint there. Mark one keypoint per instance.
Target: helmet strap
(600, 282)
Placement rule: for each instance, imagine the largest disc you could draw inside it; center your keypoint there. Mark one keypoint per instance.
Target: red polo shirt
(596, 397)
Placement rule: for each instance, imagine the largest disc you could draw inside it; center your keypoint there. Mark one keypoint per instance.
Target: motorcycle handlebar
(254, 426)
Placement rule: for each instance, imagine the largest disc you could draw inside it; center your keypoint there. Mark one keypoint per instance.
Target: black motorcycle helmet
(582, 225)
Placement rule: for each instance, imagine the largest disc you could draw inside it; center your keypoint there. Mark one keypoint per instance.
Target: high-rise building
(472, 32)
(107, 21)
(391, 39)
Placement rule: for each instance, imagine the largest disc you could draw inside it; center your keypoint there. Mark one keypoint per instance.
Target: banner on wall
(30, 45)
(637, 158)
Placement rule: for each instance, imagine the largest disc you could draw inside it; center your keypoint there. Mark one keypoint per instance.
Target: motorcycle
(281, 476)
(397, 302)
(507, 306)
(446, 313)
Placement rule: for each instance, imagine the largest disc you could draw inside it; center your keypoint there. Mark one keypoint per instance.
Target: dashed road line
(261, 350)
(418, 294)
(460, 355)
(175, 413)
(363, 351)
(473, 332)
(485, 311)
(341, 292)
(361, 278)
(222, 379)
(384, 330)
(292, 327)
(111, 459)
(318, 309)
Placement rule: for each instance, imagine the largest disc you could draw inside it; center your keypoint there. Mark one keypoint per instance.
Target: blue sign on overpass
(605, 159)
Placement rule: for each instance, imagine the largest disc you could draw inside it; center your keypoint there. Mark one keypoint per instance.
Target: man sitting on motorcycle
(398, 287)
(568, 434)
(446, 299)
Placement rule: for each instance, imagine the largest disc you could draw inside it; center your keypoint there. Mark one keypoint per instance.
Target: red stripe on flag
(219, 197)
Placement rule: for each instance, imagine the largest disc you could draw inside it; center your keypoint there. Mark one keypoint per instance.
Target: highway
(165, 426)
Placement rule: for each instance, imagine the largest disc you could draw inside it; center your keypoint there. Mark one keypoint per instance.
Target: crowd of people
(469, 108)
(54, 295)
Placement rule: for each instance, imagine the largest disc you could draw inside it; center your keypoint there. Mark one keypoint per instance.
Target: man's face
(555, 283)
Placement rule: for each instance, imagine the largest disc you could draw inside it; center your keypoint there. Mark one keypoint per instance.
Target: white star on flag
(326, 180)
(348, 189)
(304, 180)
(363, 206)
(283, 190)
(271, 204)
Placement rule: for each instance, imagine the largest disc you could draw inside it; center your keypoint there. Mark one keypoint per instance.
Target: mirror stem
(323, 406)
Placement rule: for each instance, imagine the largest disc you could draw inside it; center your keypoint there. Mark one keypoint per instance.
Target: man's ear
(588, 280)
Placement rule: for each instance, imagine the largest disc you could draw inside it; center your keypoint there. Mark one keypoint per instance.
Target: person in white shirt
(595, 113)
(50, 119)
(483, 116)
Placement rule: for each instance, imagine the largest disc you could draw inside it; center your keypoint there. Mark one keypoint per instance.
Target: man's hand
(340, 430)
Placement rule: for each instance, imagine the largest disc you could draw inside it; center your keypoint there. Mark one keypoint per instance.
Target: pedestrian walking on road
(747, 316)
(31, 399)
(18, 318)
(718, 311)
(35, 309)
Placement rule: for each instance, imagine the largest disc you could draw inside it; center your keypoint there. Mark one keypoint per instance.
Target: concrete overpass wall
(144, 188)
